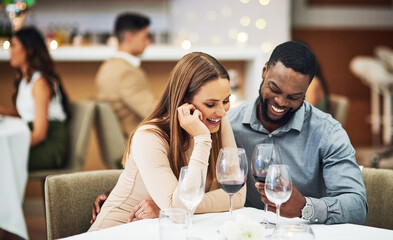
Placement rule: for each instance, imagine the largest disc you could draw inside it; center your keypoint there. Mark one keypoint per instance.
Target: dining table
(14, 152)
(207, 227)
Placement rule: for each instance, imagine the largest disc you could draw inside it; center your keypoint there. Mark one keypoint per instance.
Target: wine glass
(191, 189)
(264, 155)
(293, 231)
(278, 186)
(231, 171)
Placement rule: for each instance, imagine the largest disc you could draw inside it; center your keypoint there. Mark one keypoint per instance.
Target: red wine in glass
(231, 186)
(260, 178)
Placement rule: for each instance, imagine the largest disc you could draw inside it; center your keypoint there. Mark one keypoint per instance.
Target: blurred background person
(40, 99)
(317, 93)
(120, 80)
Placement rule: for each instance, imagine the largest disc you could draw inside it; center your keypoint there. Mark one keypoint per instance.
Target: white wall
(204, 22)
(341, 17)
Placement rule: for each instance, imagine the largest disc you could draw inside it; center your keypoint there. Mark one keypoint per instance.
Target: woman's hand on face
(145, 209)
(191, 120)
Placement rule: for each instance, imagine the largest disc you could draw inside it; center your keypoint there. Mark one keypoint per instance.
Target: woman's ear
(186, 100)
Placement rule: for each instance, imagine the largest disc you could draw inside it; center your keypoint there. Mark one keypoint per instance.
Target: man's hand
(145, 209)
(98, 204)
(291, 208)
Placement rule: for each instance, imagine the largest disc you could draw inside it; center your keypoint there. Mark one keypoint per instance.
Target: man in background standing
(120, 80)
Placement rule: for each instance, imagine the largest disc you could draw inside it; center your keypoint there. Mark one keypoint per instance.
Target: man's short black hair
(295, 55)
(130, 22)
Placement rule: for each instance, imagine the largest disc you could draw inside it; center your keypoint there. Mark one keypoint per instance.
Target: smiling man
(327, 182)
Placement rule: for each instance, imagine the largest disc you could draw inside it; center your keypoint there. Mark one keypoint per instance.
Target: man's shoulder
(319, 119)
(238, 111)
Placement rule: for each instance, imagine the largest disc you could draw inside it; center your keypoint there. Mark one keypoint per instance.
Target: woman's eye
(209, 105)
(226, 101)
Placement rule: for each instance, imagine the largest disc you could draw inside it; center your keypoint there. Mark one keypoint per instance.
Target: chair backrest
(69, 198)
(110, 136)
(80, 127)
(379, 188)
(339, 106)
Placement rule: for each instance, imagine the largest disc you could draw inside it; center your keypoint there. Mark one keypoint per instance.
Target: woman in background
(317, 93)
(39, 100)
(187, 128)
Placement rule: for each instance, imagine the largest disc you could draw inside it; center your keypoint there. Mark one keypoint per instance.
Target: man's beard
(284, 119)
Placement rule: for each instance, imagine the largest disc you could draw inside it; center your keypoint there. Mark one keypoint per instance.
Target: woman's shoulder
(149, 135)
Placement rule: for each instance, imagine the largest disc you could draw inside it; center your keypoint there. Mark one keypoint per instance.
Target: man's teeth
(277, 109)
(214, 120)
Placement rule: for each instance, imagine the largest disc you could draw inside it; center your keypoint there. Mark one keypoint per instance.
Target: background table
(14, 151)
(205, 226)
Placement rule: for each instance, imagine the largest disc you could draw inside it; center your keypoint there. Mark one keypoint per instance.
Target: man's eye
(274, 90)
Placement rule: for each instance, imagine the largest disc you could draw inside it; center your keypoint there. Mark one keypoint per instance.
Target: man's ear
(128, 36)
(264, 70)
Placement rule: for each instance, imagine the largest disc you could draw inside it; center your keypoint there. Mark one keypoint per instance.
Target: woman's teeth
(213, 120)
(277, 109)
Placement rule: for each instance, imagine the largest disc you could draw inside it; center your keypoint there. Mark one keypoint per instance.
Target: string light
(260, 23)
(245, 21)
(6, 45)
(264, 2)
(186, 44)
(242, 37)
(53, 44)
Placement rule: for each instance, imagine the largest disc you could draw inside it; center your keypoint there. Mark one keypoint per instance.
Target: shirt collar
(296, 122)
(128, 57)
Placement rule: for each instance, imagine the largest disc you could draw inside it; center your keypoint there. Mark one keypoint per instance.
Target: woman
(39, 100)
(317, 93)
(187, 127)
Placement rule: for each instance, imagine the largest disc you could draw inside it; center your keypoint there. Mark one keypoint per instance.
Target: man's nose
(281, 101)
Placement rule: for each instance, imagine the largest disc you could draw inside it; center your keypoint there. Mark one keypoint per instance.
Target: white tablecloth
(205, 226)
(14, 151)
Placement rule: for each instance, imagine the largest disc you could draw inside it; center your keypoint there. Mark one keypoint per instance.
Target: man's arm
(346, 194)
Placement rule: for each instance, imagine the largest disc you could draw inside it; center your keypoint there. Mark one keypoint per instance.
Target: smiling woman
(187, 128)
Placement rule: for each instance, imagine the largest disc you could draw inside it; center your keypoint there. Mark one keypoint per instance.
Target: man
(327, 182)
(120, 80)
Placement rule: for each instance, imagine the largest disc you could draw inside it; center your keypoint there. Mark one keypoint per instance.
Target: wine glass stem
(278, 213)
(189, 222)
(230, 203)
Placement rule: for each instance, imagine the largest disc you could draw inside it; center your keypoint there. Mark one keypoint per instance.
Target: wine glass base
(193, 238)
(268, 225)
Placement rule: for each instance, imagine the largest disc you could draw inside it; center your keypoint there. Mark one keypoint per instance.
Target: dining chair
(379, 189)
(80, 126)
(110, 136)
(69, 199)
(339, 106)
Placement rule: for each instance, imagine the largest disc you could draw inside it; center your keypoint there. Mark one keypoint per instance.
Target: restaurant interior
(241, 34)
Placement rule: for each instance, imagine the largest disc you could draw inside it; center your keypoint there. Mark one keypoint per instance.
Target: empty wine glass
(191, 189)
(231, 171)
(278, 186)
(293, 231)
(264, 155)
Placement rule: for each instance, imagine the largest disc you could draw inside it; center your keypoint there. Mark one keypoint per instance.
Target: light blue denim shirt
(320, 157)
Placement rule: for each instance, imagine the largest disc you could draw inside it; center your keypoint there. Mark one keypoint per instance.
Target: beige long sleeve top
(147, 175)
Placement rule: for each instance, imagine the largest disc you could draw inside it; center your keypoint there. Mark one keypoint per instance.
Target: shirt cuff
(320, 211)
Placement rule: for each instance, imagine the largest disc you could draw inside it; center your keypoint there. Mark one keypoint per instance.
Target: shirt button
(316, 220)
(270, 135)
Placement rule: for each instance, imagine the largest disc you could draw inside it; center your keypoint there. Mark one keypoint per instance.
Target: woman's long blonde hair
(186, 79)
